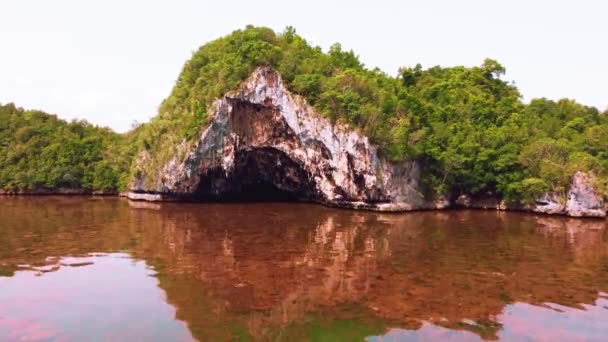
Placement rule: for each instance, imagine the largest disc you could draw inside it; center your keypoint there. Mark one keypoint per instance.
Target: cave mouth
(261, 191)
(260, 175)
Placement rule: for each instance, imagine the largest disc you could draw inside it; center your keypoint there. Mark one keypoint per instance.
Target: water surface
(74, 269)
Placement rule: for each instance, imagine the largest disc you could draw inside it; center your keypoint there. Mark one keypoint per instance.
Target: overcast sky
(112, 62)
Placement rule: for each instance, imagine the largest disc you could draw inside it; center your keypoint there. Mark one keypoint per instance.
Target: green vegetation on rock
(468, 127)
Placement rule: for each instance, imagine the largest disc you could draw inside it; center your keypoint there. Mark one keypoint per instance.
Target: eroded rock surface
(581, 200)
(264, 141)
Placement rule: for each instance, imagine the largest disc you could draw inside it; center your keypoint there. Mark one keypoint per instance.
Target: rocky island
(264, 140)
(260, 115)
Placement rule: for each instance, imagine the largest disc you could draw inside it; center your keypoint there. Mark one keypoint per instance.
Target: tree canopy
(39, 151)
(469, 128)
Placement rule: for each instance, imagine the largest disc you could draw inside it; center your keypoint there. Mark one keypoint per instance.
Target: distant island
(259, 112)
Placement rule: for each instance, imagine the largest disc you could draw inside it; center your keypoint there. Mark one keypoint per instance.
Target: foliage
(40, 151)
(469, 128)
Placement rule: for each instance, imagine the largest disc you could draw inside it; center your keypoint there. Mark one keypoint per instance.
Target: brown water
(79, 269)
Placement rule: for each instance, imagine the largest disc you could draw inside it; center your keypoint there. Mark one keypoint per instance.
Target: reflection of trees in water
(268, 271)
(273, 271)
(35, 231)
(585, 237)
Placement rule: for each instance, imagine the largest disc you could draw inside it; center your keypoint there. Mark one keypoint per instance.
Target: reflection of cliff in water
(266, 272)
(289, 271)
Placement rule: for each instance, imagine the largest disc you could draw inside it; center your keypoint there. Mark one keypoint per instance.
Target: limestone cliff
(262, 140)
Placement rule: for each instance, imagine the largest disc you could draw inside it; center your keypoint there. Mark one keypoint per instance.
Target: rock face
(265, 142)
(581, 201)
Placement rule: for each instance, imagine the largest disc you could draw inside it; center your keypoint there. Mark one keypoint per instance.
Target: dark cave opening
(259, 175)
(261, 191)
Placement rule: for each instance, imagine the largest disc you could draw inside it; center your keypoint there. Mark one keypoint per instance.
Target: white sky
(112, 62)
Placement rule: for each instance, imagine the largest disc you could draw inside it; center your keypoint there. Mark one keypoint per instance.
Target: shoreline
(58, 192)
(159, 199)
(487, 204)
